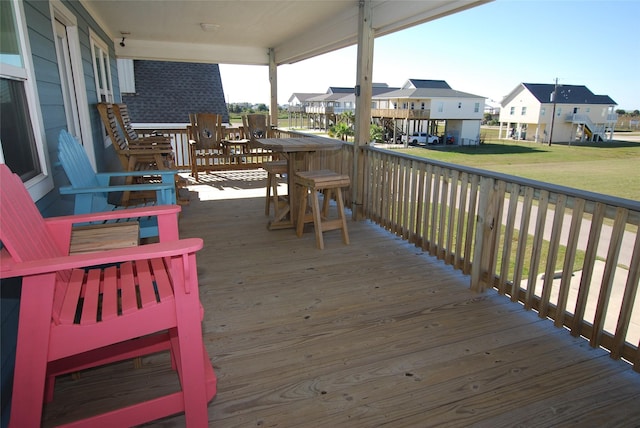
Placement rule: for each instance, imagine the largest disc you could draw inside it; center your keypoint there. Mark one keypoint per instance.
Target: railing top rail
(541, 185)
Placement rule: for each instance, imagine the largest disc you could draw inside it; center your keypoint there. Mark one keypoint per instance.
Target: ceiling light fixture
(209, 27)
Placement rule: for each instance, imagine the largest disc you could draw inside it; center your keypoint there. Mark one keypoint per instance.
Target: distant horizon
(518, 42)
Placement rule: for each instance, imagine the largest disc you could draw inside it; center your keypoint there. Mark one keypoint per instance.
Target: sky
(487, 50)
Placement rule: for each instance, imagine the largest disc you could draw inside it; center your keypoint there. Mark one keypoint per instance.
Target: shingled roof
(566, 94)
(166, 92)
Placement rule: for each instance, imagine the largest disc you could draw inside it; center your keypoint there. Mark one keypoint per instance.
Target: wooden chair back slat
(122, 114)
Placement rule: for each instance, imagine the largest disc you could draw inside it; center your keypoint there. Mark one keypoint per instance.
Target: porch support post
(363, 102)
(273, 81)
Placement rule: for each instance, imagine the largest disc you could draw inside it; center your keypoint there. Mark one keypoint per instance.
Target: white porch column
(273, 81)
(363, 101)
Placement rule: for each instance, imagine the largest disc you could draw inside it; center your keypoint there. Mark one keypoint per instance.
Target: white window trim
(41, 184)
(95, 40)
(63, 14)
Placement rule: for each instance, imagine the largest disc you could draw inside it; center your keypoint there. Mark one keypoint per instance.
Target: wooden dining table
(296, 150)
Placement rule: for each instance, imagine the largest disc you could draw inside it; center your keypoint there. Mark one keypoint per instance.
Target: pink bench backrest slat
(22, 229)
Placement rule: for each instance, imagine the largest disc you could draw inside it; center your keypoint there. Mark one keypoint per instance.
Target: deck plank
(370, 334)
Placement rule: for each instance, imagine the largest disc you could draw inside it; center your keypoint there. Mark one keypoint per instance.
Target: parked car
(420, 138)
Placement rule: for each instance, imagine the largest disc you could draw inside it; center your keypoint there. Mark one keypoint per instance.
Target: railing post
(486, 228)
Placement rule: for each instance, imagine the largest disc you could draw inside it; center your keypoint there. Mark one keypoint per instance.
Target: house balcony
(402, 113)
(447, 308)
(319, 109)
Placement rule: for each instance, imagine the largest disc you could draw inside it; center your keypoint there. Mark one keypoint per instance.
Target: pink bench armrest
(160, 250)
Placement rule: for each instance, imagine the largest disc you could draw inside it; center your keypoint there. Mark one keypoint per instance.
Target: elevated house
(429, 105)
(297, 105)
(323, 109)
(564, 113)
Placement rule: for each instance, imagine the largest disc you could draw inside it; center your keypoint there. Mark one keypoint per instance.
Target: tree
(341, 130)
(376, 133)
(620, 111)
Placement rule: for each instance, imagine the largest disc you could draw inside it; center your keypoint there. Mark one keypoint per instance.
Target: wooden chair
(143, 156)
(257, 126)
(87, 310)
(91, 190)
(206, 151)
(309, 184)
(133, 139)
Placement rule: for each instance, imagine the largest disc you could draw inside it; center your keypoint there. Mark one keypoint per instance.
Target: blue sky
(486, 51)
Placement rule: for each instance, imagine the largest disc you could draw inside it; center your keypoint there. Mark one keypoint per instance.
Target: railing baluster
(462, 215)
(538, 235)
(426, 228)
(453, 211)
(443, 213)
(435, 209)
(607, 278)
(626, 308)
(471, 222)
(514, 197)
(549, 274)
(567, 270)
(587, 269)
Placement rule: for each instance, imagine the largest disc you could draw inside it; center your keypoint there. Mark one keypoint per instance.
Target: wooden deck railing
(573, 256)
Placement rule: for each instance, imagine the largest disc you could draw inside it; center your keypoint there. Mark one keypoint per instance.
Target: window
(440, 106)
(421, 106)
(476, 107)
(101, 69)
(459, 105)
(512, 111)
(21, 141)
(543, 111)
(523, 112)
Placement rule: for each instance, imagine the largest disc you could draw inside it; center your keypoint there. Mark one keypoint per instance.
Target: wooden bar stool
(273, 168)
(328, 182)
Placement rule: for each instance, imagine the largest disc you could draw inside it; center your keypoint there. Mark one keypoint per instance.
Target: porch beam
(273, 81)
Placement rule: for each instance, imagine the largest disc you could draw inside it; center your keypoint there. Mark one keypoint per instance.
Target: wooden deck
(371, 334)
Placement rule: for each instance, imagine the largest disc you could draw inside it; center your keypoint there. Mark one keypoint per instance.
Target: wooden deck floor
(371, 334)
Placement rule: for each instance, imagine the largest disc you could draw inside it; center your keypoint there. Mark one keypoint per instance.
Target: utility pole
(554, 98)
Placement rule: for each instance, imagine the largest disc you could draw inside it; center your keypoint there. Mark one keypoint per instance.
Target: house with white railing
(557, 113)
(429, 105)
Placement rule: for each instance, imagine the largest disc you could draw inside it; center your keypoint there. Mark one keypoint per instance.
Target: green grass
(610, 167)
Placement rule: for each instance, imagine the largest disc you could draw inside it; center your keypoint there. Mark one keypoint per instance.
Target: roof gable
(191, 87)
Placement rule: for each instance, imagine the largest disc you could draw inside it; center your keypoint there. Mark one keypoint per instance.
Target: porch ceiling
(242, 31)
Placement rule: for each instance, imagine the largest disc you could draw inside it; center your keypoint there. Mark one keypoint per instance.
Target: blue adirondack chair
(91, 189)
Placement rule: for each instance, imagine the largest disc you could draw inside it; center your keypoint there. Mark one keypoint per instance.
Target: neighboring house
(424, 105)
(321, 110)
(160, 92)
(298, 103)
(528, 113)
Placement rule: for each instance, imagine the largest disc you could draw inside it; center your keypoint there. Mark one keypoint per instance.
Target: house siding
(166, 92)
(48, 86)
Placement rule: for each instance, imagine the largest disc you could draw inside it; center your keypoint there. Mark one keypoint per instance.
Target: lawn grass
(610, 167)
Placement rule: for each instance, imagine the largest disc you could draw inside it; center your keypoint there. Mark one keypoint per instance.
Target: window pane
(18, 142)
(9, 46)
